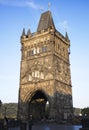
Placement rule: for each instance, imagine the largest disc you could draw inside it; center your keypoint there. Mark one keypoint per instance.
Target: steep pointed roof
(66, 36)
(23, 32)
(28, 32)
(46, 21)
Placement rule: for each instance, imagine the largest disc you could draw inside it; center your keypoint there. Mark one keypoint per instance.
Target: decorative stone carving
(45, 74)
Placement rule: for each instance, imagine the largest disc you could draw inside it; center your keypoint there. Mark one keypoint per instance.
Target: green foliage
(76, 120)
(85, 112)
(77, 111)
(9, 110)
(0, 103)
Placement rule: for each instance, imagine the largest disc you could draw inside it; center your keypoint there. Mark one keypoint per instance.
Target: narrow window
(36, 73)
(41, 75)
(38, 50)
(34, 51)
(30, 78)
(44, 48)
(33, 74)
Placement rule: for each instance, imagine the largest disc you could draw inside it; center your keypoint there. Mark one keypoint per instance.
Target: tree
(0, 103)
(85, 112)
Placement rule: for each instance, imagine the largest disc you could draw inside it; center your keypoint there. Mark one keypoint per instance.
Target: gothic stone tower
(45, 73)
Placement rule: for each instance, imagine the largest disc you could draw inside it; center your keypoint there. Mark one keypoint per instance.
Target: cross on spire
(49, 4)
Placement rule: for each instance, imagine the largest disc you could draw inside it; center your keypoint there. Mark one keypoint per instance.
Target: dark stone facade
(45, 73)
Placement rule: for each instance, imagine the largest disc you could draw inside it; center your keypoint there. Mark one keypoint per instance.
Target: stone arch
(29, 94)
(37, 104)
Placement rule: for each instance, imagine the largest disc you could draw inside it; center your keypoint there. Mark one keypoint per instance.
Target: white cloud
(32, 5)
(20, 3)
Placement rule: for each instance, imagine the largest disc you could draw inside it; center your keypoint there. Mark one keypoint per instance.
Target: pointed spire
(23, 33)
(46, 21)
(28, 33)
(66, 36)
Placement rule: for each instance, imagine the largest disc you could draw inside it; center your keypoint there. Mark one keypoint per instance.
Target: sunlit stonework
(45, 73)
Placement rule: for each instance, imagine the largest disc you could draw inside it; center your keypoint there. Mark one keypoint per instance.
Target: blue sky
(70, 15)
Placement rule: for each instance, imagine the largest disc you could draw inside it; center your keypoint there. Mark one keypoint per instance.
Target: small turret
(68, 40)
(66, 36)
(23, 33)
(28, 33)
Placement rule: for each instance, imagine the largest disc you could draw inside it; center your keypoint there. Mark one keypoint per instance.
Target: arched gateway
(45, 81)
(37, 105)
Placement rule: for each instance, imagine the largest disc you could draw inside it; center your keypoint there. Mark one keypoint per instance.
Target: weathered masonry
(45, 80)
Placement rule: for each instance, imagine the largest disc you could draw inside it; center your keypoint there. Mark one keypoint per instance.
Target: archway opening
(39, 106)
